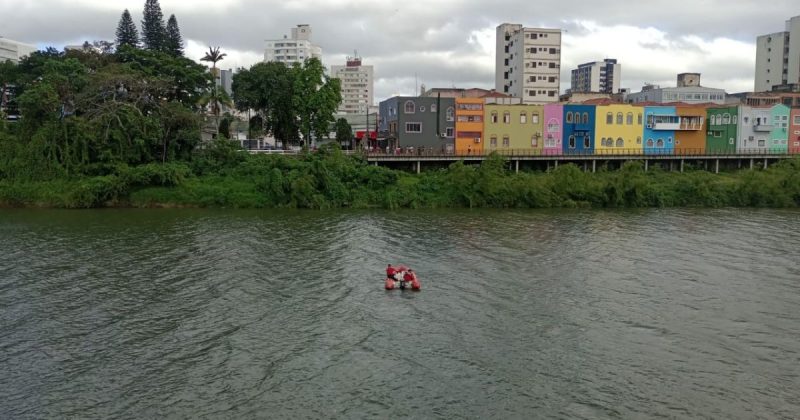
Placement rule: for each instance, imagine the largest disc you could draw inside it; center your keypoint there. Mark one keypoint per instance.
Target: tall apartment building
(600, 76)
(14, 51)
(357, 86)
(528, 63)
(778, 57)
(292, 50)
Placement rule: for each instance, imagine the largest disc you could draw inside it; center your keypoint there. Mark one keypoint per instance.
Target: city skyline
(448, 44)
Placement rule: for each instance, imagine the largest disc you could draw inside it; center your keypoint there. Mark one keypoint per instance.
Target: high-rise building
(14, 51)
(296, 49)
(600, 76)
(528, 63)
(778, 57)
(357, 86)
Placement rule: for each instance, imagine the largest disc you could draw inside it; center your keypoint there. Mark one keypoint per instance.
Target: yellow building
(618, 130)
(514, 129)
(469, 126)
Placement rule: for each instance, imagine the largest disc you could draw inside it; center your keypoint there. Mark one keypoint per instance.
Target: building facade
(660, 123)
(296, 49)
(779, 138)
(14, 51)
(794, 131)
(358, 86)
(514, 128)
(552, 127)
(600, 76)
(778, 57)
(578, 129)
(618, 129)
(690, 136)
(755, 129)
(528, 63)
(723, 129)
(418, 123)
(688, 91)
(469, 126)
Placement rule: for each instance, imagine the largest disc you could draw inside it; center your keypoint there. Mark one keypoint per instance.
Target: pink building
(553, 116)
(794, 131)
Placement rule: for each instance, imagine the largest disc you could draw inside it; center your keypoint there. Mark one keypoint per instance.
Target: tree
(126, 31)
(344, 133)
(153, 31)
(174, 41)
(214, 56)
(315, 98)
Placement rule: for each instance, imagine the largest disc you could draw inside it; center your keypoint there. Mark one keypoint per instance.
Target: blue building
(579, 129)
(660, 124)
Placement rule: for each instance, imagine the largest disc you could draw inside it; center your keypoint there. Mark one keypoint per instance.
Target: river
(279, 314)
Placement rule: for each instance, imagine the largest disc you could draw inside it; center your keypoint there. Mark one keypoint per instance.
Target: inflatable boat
(394, 283)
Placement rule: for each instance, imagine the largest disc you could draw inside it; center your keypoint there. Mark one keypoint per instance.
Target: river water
(524, 314)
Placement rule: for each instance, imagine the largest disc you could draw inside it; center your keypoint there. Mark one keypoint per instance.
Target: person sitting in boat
(391, 272)
(408, 276)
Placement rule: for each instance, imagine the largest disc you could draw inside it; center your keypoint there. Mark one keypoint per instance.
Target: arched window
(638, 140)
(629, 118)
(726, 118)
(649, 142)
(493, 141)
(507, 117)
(660, 143)
(433, 107)
(506, 141)
(494, 117)
(610, 118)
(571, 142)
(409, 107)
(619, 118)
(535, 118)
(620, 142)
(587, 142)
(603, 141)
(585, 118)
(569, 118)
(523, 118)
(639, 119)
(535, 140)
(734, 119)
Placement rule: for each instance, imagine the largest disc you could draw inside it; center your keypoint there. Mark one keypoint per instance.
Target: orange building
(690, 136)
(469, 126)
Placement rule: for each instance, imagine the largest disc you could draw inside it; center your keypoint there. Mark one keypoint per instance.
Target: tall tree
(126, 31)
(153, 31)
(174, 41)
(214, 56)
(316, 96)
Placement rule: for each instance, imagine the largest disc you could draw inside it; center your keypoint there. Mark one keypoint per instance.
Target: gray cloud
(432, 39)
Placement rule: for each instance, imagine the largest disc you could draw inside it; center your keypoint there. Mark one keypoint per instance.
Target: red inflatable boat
(405, 278)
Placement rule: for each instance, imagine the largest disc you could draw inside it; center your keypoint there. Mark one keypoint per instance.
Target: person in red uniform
(408, 276)
(391, 272)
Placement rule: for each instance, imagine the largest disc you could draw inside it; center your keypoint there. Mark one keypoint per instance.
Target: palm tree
(214, 56)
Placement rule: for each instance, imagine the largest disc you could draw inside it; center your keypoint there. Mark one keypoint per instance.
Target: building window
(587, 142)
(523, 118)
(660, 143)
(639, 119)
(409, 107)
(620, 142)
(638, 140)
(726, 118)
(629, 118)
(413, 127)
(507, 117)
(494, 117)
(421, 109)
(571, 142)
(433, 107)
(610, 118)
(746, 120)
(535, 118)
(493, 141)
(761, 143)
(535, 140)
(649, 142)
(448, 132)
(506, 141)
(450, 114)
(569, 118)
(797, 119)
(585, 118)
(550, 142)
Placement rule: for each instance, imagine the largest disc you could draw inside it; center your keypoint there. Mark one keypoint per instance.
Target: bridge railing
(655, 153)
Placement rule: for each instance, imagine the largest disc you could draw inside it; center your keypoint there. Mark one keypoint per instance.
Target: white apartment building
(528, 63)
(357, 86)
(778, 57)
(292, 50)
(600, 76)
(688, 91)
(14, 51)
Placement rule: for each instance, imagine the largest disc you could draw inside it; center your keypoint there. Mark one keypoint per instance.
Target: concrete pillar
(646, 165)
(752, 163)
(376, 163)
(516, 169)
(548, 166)
(681, 165)
(670, 165)
(716, 169)
(766, 163)
(594, 166)
(739, 163)
(556, 164)
(585, 166)
(419, 166)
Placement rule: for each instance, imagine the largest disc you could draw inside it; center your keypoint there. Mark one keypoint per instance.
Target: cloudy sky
(443, 43)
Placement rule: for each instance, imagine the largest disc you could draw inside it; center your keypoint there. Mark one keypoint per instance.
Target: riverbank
(330, 179)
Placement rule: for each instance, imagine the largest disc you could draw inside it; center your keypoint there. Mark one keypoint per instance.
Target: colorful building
(779, 139)
(418, 123)
(659, 130)
(579, 126)
(618, 129)
(723, 128)
(690, 137)
(755, 129)
(514, 128)
(552, 126)
(469, 126)
(794, 131)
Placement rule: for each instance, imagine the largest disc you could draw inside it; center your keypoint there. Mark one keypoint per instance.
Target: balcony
(763, 128)
(664, 126)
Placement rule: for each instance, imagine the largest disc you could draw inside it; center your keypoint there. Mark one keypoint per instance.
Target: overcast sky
(443, 43)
